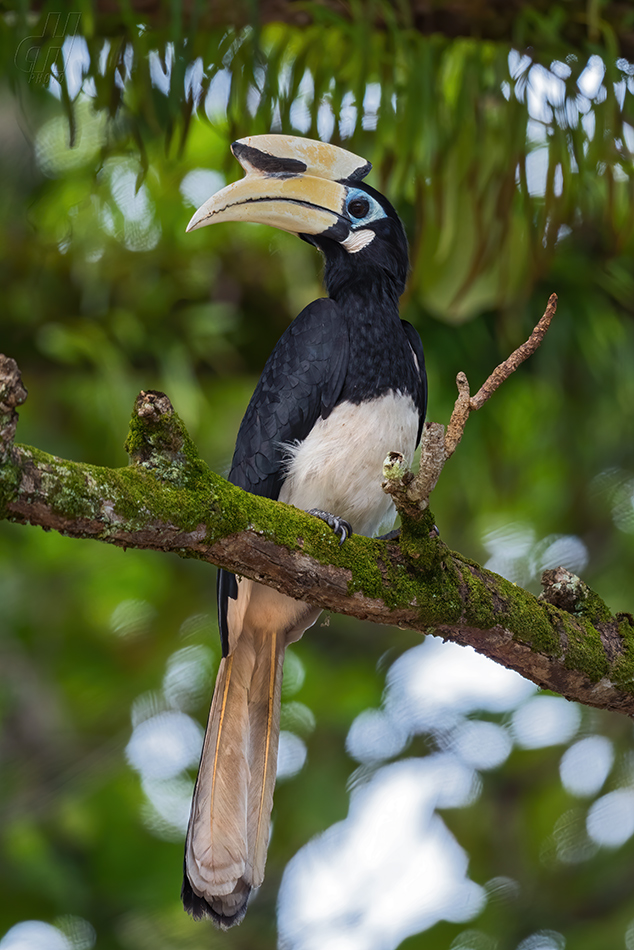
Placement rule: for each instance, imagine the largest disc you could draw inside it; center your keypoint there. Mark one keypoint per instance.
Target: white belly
(339, 466)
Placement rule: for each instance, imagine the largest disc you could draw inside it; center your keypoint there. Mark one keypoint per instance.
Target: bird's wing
(301, 382)
(417, 348)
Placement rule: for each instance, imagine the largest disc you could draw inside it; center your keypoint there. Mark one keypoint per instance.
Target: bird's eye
(358, 207)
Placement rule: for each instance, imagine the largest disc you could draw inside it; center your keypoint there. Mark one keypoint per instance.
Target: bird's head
(316, 190)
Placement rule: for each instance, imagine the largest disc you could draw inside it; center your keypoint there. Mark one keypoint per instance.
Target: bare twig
(505, 369)
(411, 492)
(466, 404)
(459, 416)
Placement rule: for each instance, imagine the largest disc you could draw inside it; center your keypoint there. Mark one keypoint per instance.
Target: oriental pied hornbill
(344, 386)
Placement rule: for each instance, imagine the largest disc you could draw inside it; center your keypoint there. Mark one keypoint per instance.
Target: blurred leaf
(512, 184)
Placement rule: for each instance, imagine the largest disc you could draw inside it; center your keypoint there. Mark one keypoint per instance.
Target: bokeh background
(426, 797)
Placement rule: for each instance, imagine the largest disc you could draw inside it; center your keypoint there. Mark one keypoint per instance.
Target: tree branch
(411, 492)
(167, 499)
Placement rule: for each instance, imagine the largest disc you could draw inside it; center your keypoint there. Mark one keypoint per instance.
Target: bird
(344, 386)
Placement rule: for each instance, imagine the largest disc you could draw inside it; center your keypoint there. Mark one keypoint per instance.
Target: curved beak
(291, 183)
(302, 204)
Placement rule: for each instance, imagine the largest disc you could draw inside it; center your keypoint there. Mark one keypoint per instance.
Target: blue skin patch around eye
(374, 213)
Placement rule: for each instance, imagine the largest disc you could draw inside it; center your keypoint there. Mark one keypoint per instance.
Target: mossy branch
(167, 499)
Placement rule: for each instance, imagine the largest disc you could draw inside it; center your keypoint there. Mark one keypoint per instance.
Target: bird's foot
(341, 527)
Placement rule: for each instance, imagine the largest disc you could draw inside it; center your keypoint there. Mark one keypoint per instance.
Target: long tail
(228, 831)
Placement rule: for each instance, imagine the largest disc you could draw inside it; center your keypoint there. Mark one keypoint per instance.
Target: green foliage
(103, 294)
(451, 124)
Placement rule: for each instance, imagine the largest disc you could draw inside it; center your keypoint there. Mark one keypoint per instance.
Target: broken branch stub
(12, 394)
(411, 492)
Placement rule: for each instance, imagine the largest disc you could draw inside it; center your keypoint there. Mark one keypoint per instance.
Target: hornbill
(344, 386)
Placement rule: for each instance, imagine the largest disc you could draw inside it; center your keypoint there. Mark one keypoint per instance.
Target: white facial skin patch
(357, 240)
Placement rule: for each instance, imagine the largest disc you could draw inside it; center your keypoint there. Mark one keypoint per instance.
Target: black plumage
(350, 346)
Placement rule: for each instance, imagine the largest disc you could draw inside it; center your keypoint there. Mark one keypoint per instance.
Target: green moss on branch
(168, 499)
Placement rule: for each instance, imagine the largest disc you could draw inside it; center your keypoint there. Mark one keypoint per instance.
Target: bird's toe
(341, 528)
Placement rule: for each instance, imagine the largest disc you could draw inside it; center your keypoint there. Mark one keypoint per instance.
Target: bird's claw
(341, 527)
